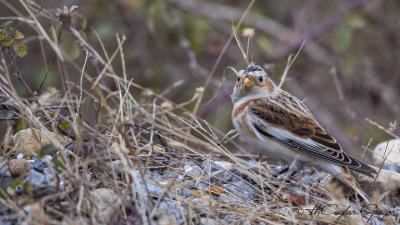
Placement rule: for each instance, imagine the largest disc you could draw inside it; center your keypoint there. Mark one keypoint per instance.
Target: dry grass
(126, 138)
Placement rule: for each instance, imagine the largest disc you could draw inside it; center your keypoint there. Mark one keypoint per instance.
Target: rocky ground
(171, 187)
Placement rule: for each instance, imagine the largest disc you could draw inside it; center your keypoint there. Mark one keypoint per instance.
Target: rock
(197, 193)
(224, 165)
(207, 221)
(26, 143)
(194, 172)
(36, 178)
(386, 180)
(105, 202)
(217, 190)
(392, 167)
(294, 199)
(210, 166)
(226, 176)
(392, 146)
(4, 171)
(200, 185)
(11, 192)
(38, 165)
(18, 166)
(19, 190)
(167, 106)
(239, 189)
(216, 166)
(153, 184)
(170, 208)
(244, 221)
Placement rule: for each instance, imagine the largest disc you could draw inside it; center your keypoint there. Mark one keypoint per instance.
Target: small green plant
(11, 39)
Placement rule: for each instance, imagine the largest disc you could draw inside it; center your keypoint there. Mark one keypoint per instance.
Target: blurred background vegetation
(347, 71)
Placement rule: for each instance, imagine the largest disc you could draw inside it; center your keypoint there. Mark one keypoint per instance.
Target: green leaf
(65, 125)
(47, 150)
(18, 181)
(20, 49)
(18, 35)
(7, 41)
(8, 29)
(3, 34)
(59, 164)
(54, 28)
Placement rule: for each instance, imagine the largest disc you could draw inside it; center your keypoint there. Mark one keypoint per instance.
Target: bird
(281, 127)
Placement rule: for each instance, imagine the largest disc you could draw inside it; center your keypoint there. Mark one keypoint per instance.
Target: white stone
(392, 146)
(192, 171)
(224, 165)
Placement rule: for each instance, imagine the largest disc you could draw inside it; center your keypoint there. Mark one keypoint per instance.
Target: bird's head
(252, 81)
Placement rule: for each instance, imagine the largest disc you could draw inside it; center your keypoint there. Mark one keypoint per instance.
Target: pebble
(243, 221)
(392, 167)
(19, 190)
(171, 209)
(20, 156)
(225, 176)
(11, 192)
(151, 185)
(224, 165)
(18, 166)
(210, 166)
(193, 172)
(240, 189)
(200, 185)
(5, 172)
(389, 149)
(207, 221)
(27, 143)
(38, 165)
(36, 178)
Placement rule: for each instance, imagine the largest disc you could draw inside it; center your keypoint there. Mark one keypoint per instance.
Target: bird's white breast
(260, 143)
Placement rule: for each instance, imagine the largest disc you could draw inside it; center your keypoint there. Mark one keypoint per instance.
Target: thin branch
(289, 64)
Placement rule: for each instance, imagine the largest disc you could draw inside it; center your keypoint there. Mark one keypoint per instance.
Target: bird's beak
(248, 83)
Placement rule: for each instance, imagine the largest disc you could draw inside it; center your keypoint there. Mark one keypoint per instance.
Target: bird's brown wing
(287, 120)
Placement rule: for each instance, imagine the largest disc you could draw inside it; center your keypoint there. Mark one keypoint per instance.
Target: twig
(227, 43)
(289, 64)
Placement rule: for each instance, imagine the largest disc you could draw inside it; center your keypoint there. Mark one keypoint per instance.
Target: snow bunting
(280, 126)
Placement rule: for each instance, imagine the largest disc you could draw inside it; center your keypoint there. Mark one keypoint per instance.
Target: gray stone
(392, 167)
(38, 165)
(240, 189)
(171, 208)
(209, 166)
(207, 221)
(36, 178)
(226, 175)
(193, 172)
(200, 186)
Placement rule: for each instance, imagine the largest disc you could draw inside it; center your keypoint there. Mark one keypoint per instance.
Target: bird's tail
(344, 175)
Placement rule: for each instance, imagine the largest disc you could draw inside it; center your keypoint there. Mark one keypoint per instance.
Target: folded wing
(289, 122)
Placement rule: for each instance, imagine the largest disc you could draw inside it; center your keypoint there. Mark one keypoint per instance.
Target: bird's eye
(238, 79)
(260, 78)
